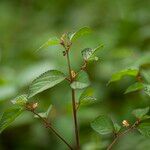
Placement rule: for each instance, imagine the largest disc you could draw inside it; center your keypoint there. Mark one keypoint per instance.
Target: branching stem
(121, 134)
(48, 125)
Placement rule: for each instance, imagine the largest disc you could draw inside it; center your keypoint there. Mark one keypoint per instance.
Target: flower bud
(125, 123)
(34, 105)
(73, 74)
(31, 106)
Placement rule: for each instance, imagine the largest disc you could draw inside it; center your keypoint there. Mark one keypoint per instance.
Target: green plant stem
(48, 125)
(121, 134)
(73, 105)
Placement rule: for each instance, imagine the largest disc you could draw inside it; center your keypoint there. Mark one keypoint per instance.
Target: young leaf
(144, 129)
(82, 81)
(140, 113)
(45, 114)
(87, 97)
(8, 117)
(51, 42)
(45, 81)
(119, 75)
(88, 53)
(147, 89)
(117, 127)
(134, 87)
(103, 125)
(20, 100)
(79, 33)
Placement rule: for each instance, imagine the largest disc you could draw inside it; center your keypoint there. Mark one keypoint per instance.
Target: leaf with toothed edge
(147, 89)
(103, 125)
(87, 97)
(8, 117)
(88, 53)
(45, 81)
(20, 100)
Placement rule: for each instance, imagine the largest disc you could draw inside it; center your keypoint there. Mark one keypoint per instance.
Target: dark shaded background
(123, 26)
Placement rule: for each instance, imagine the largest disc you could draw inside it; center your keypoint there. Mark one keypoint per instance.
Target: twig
(121, 134)
(73, 103)
(48, 125)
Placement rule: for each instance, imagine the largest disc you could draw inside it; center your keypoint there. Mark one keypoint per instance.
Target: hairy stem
(48, 125)
(121, 134)
(73, 105)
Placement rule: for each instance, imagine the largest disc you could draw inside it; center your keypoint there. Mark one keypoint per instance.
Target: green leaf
(88, 53)
(117, 127)
(87, 97)
(147, 89)
(81, 82)
(45, 81)
(134, 87)
(144, 129)
(20, 100)
(140, 113)
(103, 125)
(119, 75)
(145, 117)
(51, 42)
(8, 117)
(45, 114)
(146, 75)
(79, 33)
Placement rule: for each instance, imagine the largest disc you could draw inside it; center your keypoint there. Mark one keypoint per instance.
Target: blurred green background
(123, 26)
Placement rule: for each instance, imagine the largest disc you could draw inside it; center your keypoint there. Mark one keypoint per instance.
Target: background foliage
(121, 25)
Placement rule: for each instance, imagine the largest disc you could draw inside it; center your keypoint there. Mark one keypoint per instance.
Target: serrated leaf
(8, 117)
(144, 129)
(87, 97)
(147, 89)
(134, 87)
(51, 42)
(45, 114)
(119, 75)
(88, 53)
(103, 125)
(117, 127)
(20, 100)
(140, 113)
(79, 33)
(146, 75)
(81, 82)
(45, 81)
